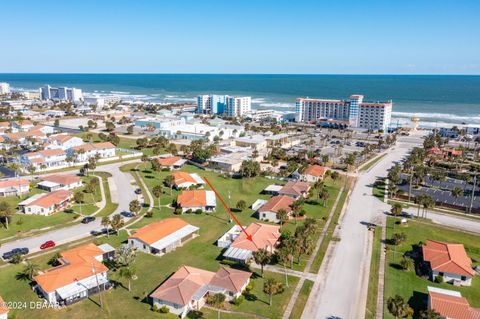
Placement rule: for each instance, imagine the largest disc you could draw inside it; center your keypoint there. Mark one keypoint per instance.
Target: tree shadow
(149, 176)
(195, 314)
(395, 266)
(418, 302)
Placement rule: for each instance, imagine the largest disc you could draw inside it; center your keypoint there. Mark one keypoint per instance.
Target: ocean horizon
(439, 100)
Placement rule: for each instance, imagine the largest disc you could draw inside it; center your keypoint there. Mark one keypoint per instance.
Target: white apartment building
(46, 159)
(353, 112)
(84, 152)
(61, 94)
(4, 88)
(238, 106)
(223, 104)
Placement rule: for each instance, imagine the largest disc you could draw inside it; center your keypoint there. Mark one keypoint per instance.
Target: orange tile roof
(296, 188)
(183, 177)
(315, 170)
(263, 236)
(77, 266)
(46, 153)
(192, 198)
(53, 198)
(449, 258)
(2, 139)
(61, 138)
(181, 286)
(231, 279)
(155, 231)
(64, 179)
(16, 136)
(4, 124)
(14, 182)
(277, 203)
(168, 161)
(185, 282)
(24, 122)
(452, 306)
(103, 145)
(85, 147)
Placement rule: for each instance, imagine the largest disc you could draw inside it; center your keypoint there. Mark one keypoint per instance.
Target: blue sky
(230, 36)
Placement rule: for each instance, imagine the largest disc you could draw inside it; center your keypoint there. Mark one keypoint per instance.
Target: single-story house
(14, 187)
(295, 189)
(46, 204)
(197, 199)
(269, 211)
(449, 261)
(450, 304)
(59, 181)
(86, 151)
(188, 288)
(171, 162)
(263, 237)
(162, 237)
(80, 274)
(313, 173)
(185, 180)
(4, 310)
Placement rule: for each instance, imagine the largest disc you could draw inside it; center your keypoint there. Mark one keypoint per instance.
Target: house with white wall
(46, 204)
(197, 199)
(14, 187)
(45, 159)
(84, 152)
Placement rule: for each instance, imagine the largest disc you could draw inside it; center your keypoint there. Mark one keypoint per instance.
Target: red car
(48, 244)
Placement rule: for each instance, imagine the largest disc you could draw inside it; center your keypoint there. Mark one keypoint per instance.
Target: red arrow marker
(249, 237)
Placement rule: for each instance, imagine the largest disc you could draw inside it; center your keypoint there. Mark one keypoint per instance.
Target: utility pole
(472, 197)
(94, 270)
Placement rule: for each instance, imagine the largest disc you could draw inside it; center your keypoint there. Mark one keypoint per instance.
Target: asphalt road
(341, 287)
(122, 191)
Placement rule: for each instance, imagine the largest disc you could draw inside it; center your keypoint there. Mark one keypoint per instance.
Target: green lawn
(301, 300)
(372, 163)
(373, 277)
(408, 284)
(317, 262)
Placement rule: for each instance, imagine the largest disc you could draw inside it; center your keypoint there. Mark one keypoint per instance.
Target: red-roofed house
(171, 162)
(162, 237)
(263, 237)
(449, 261)
(295, 189)
(59, 181)
(269, 210)
(65, 141)
(450, 304)
(313, 173)
(185, 180)
(46, 204)
(188, 288)
(77, 277)
(14, 187)
(197, 199)
(44, 160)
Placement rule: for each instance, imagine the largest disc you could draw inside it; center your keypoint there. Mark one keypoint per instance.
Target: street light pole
(94, 270)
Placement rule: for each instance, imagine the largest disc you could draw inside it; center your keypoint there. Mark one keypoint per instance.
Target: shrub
(155, 308)
(177, 211)
(189, 211)
(164, 309)
(198, 211)
(149, 214)
(20, 221)
(249, 286)
(16, 259)
(237, 301)
(439, 279)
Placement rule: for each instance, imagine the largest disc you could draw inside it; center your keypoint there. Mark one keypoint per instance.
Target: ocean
(439, 100)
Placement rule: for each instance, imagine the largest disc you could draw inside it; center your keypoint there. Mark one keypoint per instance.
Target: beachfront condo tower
(353, 112)
(61, 94)
(233, 106)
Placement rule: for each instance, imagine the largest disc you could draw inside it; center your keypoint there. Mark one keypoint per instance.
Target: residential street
(122, 192)
(340, 290)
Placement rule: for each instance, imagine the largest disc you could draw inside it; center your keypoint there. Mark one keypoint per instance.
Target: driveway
(122, 191)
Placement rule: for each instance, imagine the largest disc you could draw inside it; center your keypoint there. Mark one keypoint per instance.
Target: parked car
(15, 251)
(138, 191)
(47, 244)
(128, 214)
(88, 219)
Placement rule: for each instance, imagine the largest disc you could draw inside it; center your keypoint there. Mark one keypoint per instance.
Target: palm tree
(128, 273)
(135, 206)
(217, 301)
(117, 222)
(398, 307)
(396, 209)
(157, 192)
(125, 256)
(282, 216)
(106, 223)
(428, 203)
(6, 212)
(169, 182)
(324, 195)
(261, 257)
(30, 270)
(272, 287)
(407, 263)
(284, 256)
(457, 192)
(419, 199)
(429, 314)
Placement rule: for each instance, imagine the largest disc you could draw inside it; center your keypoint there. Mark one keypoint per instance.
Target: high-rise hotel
(353, 112)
